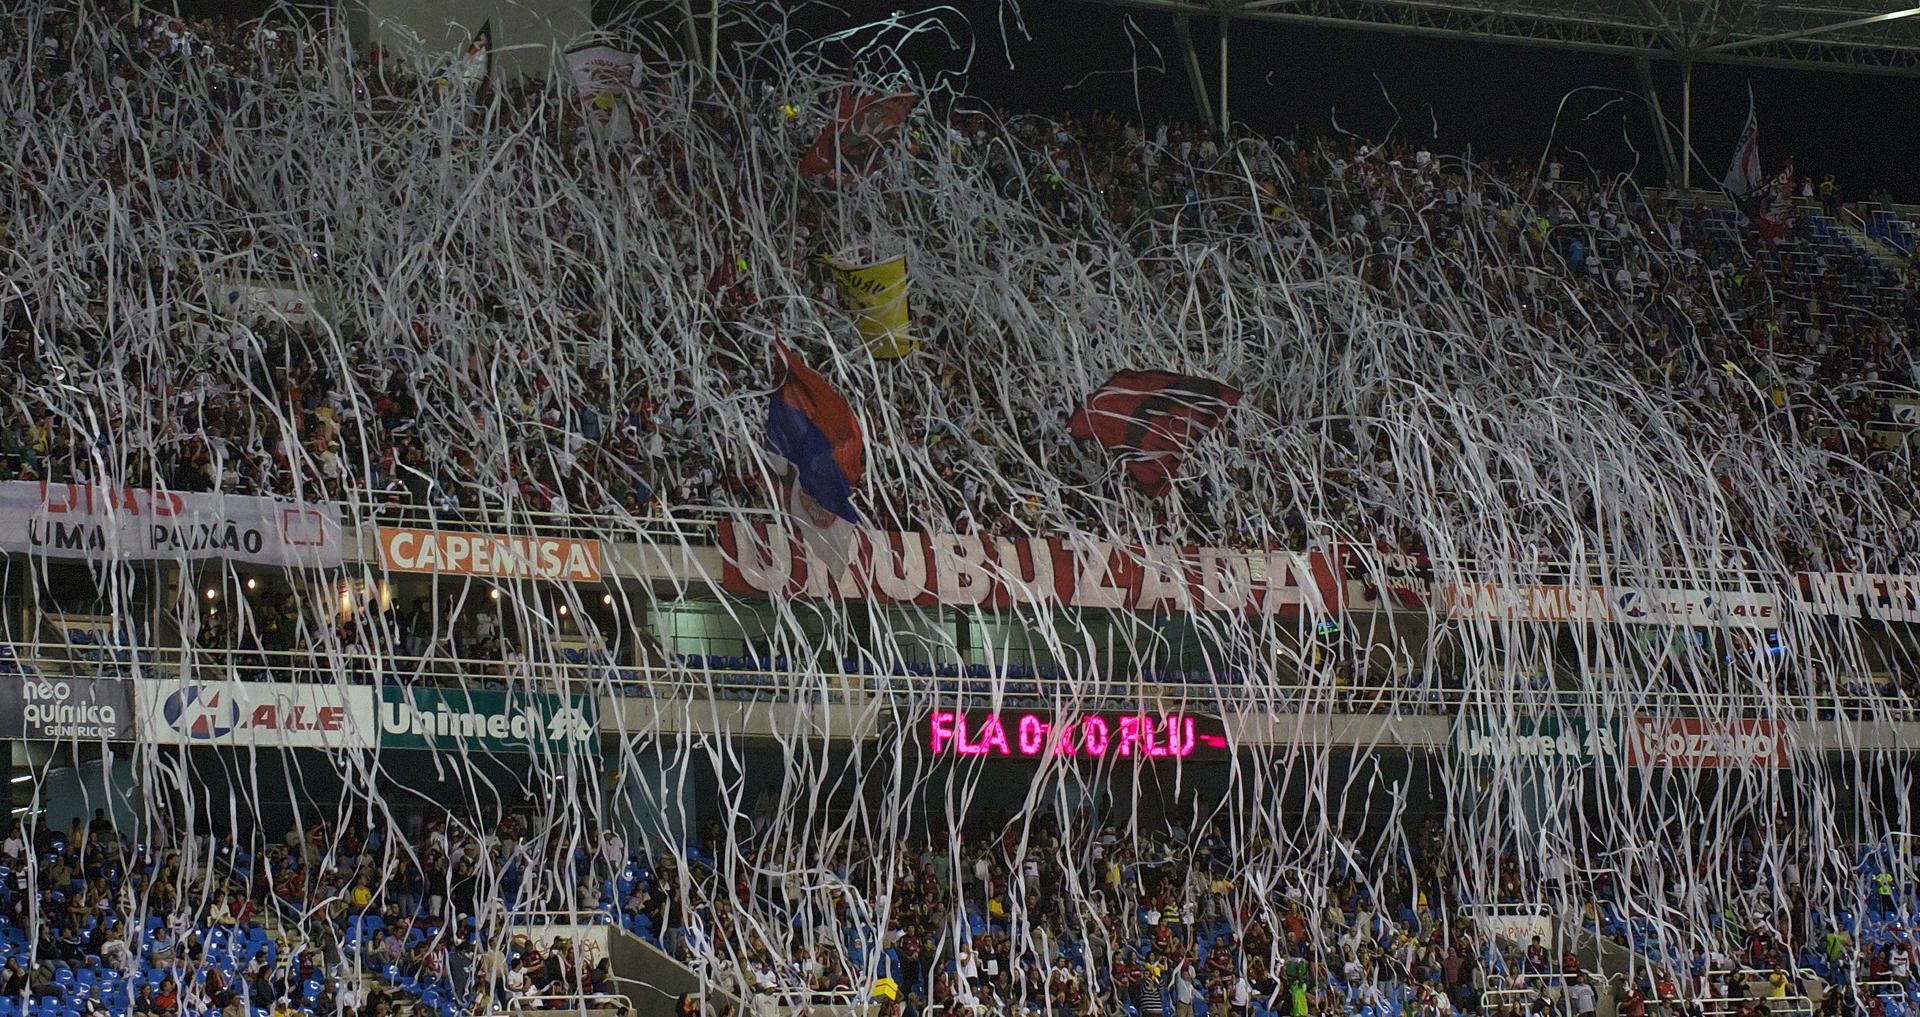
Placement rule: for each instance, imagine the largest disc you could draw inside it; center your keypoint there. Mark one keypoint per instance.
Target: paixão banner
(487, 721)
(68, 709)
(105, 523)
(490, 555)
(968, 569)
(260, 714)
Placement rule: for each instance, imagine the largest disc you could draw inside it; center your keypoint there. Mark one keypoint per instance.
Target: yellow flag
(877, 296)
(884, 988)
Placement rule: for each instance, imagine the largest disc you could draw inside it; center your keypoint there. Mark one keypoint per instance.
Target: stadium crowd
(329, 920)
(1777, 345)
(1175, 922)
(1794, 330)
(1008, 915)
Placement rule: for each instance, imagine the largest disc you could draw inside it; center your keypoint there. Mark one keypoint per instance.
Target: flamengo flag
(850, 146)
(1743, 174)
(1155, 417)
(813, 429)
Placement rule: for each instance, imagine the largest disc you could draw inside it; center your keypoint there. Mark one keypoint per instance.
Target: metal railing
(685, 524)
(830, 682)
(583, 1003)
(1713, 1006)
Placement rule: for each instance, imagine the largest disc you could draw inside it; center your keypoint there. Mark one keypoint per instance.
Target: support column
(1196, 78)
(1226, 121)
(1686, 122)
(1667, 158)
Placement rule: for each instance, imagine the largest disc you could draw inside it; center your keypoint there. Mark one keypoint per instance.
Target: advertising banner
(260, 714)
(1707, 743)
(487, 721)
(490, 555)
(1670, 607)
(1480, 739)
(67, 709)
(103, 523)
(1657, 743)
(1880, 598)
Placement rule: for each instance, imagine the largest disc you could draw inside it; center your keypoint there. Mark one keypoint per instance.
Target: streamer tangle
(399, 558)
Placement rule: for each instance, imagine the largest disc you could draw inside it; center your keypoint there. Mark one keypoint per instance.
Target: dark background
(1503, 101)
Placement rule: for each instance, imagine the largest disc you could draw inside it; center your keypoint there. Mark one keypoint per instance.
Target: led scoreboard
(1027, 734)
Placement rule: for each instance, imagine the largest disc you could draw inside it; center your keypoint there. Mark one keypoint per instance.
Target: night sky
(1074, 56)
(1499, 99)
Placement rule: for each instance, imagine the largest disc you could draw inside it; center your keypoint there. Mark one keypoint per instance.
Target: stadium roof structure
(1878, 36)
(1857, 36)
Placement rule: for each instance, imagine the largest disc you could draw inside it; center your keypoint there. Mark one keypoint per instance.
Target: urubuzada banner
(105, 523)
(969, 569)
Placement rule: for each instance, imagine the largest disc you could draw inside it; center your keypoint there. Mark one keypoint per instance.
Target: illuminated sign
(1016, 734)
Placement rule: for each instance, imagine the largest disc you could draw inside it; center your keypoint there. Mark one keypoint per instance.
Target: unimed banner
(487, 721)
(107, 523)
(968, 569)
(1483, 740)
(67, 709)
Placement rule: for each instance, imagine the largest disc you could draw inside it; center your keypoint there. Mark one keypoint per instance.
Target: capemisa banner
(107, 523)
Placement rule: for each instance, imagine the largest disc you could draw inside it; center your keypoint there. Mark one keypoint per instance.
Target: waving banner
(877, 297)
(1152, 418)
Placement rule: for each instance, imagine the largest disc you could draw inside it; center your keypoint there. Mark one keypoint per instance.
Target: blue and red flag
(811, 427)
(1153, 417)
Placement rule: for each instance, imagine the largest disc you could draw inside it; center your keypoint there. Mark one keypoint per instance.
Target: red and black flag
(1154, 417)
(850, 145)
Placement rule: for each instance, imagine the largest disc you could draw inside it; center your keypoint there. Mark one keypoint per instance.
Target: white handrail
(579, 1003)
(374, 667)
